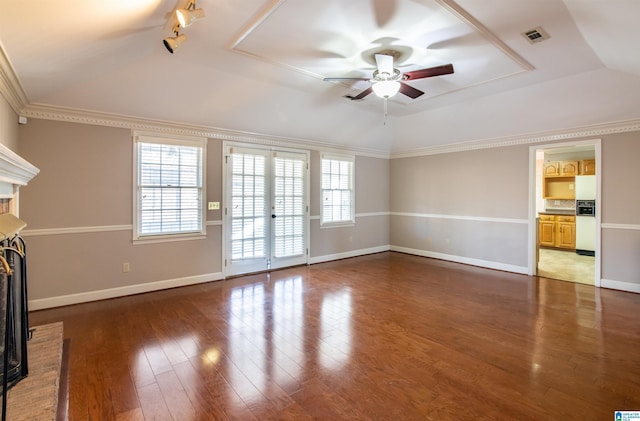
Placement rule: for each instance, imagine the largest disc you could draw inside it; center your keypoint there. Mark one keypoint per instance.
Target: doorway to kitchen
(564, 237)
(266, 208)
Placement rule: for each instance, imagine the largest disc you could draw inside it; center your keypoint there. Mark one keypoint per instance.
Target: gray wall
(621, 211)
(472, 207)
(79, 215)
(469, 206)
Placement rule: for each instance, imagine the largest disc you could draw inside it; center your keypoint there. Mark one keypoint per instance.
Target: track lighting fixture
(172, 43)
(184, 17)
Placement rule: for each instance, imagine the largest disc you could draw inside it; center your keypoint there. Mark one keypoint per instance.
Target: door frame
(225, 228)
(533, 227)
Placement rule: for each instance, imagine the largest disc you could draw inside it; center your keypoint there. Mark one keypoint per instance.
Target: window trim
(177, 140)
(345, 223)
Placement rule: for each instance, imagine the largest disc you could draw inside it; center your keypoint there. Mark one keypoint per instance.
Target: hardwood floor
(383, 337)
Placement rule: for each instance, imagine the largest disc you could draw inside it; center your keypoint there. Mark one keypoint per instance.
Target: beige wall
(8, 125)
(621, 211)
(79, 215)
(467, 206)
(443, 206)
(371, 230)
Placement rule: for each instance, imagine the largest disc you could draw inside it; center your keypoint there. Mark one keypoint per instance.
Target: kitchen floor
(566, 266)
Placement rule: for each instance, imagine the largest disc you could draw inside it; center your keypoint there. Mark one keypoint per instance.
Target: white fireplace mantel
(15, 171)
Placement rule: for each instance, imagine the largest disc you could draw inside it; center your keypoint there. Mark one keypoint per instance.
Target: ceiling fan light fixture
(187, 16)
(386, 88)
(172, 43)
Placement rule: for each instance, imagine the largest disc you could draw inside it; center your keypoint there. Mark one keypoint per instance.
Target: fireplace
(14, 323)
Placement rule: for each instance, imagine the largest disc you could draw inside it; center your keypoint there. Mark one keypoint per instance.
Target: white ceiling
(257, 66)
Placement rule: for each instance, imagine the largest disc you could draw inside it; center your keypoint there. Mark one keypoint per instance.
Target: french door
(266, 209)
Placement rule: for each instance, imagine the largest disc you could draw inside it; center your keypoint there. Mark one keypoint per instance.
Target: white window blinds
(337, 189)
(169, 186)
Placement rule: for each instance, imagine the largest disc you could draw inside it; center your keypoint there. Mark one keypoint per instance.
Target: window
(337, 190)
(169, 187)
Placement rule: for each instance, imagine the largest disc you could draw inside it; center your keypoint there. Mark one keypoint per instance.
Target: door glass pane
(248, 230)
(288, 236)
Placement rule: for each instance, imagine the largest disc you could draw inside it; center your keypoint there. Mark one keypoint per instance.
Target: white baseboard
(347, 254)
(466, 260)
(84, 297)
(620, 285)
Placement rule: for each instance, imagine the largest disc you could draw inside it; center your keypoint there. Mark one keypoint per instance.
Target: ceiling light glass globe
(386, 88)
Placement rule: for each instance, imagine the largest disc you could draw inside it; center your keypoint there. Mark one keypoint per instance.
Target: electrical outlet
(214, 205)
(126, 267)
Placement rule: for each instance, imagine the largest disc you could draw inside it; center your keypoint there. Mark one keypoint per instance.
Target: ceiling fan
(387, 80)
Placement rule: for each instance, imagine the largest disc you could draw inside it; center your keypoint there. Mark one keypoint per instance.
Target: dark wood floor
(385, 337)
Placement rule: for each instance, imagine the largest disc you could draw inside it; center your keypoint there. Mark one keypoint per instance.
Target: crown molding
(10, 87)
(531, 138)
(73, 115)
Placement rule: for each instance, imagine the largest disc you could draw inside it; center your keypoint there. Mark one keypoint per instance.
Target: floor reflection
(247, 344)
(268, 340)
(335, 319)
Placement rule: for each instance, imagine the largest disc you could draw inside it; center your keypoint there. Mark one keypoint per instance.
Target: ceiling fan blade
(360, 95)
(385, 64)
(410, 91)
(331, 79)
(430, 72)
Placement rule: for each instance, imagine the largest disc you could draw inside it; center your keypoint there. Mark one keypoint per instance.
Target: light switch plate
(214, 205)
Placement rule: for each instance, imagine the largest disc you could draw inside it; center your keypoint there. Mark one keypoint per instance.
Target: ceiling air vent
(536, 35)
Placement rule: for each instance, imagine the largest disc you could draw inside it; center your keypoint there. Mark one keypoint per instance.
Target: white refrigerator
(585, 223)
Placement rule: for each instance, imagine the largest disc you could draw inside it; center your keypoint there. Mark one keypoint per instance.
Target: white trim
(620, 285)
(620, 226)
(135, 123)
(103, 294)
(74, 230)
(169, 238)
(532, 209)
(461, 217)
(14, 169)
(358, 215)
(347, 254)
(368, 214)
(460, 259)
(75, 115)
(530, 138)
(85, 230)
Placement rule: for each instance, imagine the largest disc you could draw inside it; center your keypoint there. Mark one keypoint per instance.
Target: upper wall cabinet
(588, 167)
(569, 168)
(561, 169)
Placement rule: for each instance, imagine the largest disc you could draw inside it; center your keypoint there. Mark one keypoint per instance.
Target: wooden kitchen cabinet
(569, 168)
(558, 231)
(566, 230)
(588, 167)
(546, 231)
(561, 169)
(551, 169)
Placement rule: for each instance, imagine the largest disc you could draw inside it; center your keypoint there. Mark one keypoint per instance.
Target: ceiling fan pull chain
(384, 122)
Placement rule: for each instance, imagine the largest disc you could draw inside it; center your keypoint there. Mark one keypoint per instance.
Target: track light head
(187, 16)
(172, 43)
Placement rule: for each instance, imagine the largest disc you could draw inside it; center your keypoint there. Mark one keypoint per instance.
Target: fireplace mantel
(15, 171)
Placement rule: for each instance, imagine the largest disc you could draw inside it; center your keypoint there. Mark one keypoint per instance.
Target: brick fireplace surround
(36, 397)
